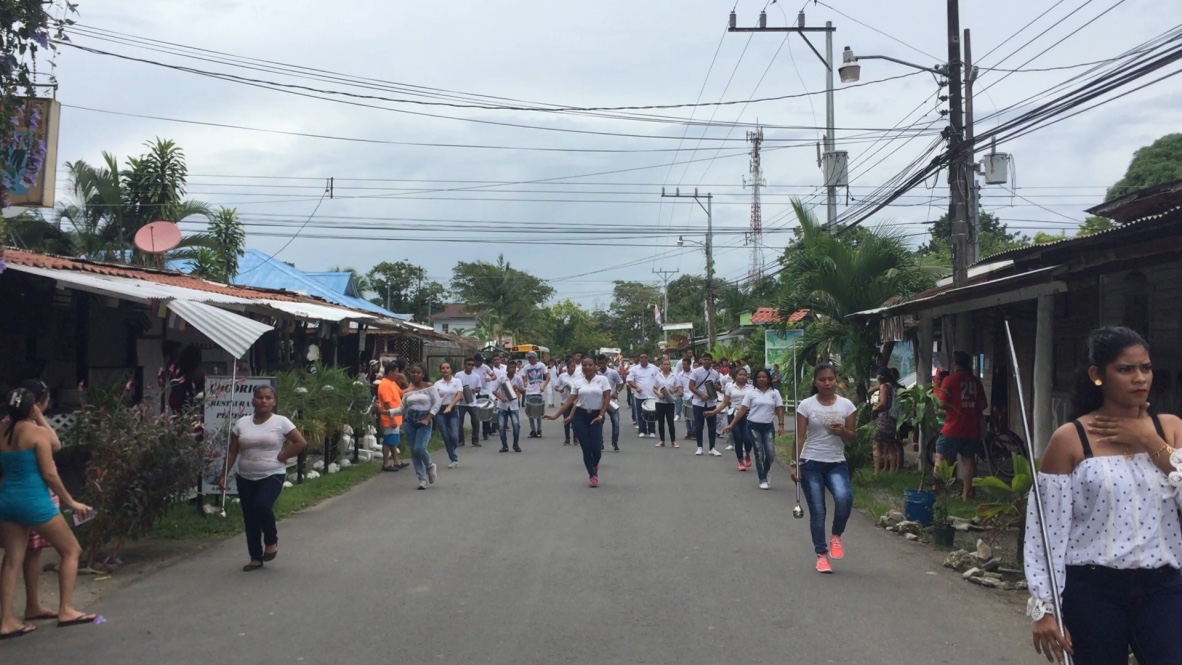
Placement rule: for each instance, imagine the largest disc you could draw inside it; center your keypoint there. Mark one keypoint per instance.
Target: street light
(681, 241)
(850, 70)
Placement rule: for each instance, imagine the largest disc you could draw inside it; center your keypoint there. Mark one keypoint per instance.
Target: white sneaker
(676, 418)
(715, 453)
(764, 486)
(699, 452)
(453, 465)
(730, 447)
(422, 484)
(642, 435)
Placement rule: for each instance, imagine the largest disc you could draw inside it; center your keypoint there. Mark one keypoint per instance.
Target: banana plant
(1010, 508)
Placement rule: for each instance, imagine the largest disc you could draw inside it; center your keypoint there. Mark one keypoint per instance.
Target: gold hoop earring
(1098, 382)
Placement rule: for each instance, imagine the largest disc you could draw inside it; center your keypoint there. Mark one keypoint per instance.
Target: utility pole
(833, 162)
(756, 182)
(709, 246)
(665, 275)
(957, 180)
(974, 209)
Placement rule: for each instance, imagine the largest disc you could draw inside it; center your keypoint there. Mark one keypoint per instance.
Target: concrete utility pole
(957, 176)
(833, 162)
(665, 275)
(709, 246)
(974, 216)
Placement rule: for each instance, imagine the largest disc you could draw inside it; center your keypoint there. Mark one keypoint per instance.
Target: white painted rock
(333, 468)
(288, 484)
(312, 475)
(346, 464)
(318, 465)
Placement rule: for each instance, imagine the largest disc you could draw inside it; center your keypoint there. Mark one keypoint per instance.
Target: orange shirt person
(963, 397)
(390, 397)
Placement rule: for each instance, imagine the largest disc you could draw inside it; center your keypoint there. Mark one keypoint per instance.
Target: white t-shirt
(259, 446)
(487, 375)
(820, 444)
(499, 371)
(736, 394)
(535, 378)
(645, 377)
(761, 405)
(475, 381)
(518, 385)
(699, 377)
(591, 392)
(613, 379)
(447, 391)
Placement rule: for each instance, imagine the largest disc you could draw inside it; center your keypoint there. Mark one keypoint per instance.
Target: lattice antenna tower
(756, 182)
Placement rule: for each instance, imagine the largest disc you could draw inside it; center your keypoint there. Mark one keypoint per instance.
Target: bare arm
(295, 445)
(55, 443)
(884, 398)
(565, 405)
(802, 431)
(44, 453)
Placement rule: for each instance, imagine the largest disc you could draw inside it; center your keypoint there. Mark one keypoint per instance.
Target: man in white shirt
(683, 375)
(643, 379)
(508, 410)
(699, 378)
(537, 379)
(488, 376)
(475, 382)
(614, 380)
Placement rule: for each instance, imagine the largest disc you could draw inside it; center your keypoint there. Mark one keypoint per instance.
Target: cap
(531, 354)
(374, 362)
(478, 356)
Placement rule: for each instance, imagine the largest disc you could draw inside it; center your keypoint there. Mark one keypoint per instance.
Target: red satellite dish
(157, 237)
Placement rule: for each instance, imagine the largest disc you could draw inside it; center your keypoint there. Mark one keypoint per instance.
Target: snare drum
(535, 406)
(648, 410)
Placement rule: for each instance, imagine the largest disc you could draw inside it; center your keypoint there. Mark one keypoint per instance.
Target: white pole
(229, 430)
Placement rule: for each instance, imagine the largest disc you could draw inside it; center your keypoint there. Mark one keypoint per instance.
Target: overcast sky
(602, 53)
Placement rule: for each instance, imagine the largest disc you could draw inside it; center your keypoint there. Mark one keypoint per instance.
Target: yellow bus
(518, 352)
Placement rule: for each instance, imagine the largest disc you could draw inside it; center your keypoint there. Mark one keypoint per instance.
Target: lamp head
(680, 241)
(850, 70)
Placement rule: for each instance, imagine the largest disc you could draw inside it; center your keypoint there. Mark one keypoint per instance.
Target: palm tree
(835, 276)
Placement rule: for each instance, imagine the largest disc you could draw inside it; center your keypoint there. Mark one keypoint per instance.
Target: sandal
(84, 619)
(24, 630)
(253, 565)
(270, 556)
(44, 616)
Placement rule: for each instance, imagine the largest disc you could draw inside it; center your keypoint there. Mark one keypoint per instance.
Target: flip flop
(84, 619)
(253, 565)
(25, 630)
(45, 616)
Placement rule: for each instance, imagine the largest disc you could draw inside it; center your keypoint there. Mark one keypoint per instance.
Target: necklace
(1129, 454)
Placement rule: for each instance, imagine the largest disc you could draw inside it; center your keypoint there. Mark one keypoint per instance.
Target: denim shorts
(952, 447)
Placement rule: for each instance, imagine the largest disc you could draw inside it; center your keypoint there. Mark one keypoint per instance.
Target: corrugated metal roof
(139, 290)
(232, 332)
(1129, 227)
(337, 281)
(256, 268)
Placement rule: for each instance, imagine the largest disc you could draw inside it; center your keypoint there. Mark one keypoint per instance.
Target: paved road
(511, 559)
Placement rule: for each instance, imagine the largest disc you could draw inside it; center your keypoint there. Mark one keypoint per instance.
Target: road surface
(512, 560)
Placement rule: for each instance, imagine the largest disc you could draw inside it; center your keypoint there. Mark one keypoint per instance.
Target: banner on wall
(778, 346)
(226, 400)
(30, 159)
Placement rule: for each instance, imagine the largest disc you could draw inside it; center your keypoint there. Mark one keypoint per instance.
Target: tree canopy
(1156, 163)
(403, 287)
(510, 295)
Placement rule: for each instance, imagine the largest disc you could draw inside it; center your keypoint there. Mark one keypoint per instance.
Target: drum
(613, 406)
(508, 392)
(711, 391)
(485, 409)
(666, 396)
(468, 395)
(648, 410)
(687, 410)
(535, 406)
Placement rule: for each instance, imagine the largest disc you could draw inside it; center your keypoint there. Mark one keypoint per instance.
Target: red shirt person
(963, 397)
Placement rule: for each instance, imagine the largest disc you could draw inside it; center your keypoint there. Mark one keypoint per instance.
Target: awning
(317, 312)
(1014, 288)
(233, 332)
(126, 288)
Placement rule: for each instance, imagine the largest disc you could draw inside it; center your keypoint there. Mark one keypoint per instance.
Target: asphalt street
(512, 559)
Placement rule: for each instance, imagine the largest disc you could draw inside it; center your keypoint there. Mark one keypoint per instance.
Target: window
(445, 327)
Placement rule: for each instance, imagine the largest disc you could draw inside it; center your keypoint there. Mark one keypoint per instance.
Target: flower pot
(943, 535)
(918, 504)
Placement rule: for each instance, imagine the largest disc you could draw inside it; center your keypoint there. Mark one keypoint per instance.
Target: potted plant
(919, 413)
(1010, 508)
(942, 531)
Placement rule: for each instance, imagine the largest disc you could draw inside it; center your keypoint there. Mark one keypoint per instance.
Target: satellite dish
(313, 353)
(157, 237)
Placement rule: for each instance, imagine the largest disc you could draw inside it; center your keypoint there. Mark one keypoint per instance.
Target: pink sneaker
(823, 564)
(742, 466)
(836, 549)
(594, 481)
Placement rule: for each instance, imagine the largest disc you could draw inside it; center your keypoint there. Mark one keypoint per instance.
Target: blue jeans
(258, 512)
(614, 417)
(816, 478)
(420, 437)
(709, 424)
(741, 439)
(763, 439)
(450, 428)
(1109, 610)
(590, 437)
(510, 416)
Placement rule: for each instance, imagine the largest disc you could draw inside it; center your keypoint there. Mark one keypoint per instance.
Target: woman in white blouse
(1110, 484)
(760, 405)
(420, 403)
(260, 445)
(732, 398)
(564, 385)
(450, 390)
(667, 383)
(587, 406)
(826, 422)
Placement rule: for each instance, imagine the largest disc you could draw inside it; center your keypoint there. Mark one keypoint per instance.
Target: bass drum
(535, 406)
(648, 410)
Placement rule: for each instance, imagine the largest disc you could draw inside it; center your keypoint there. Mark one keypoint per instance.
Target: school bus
(518, 352)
